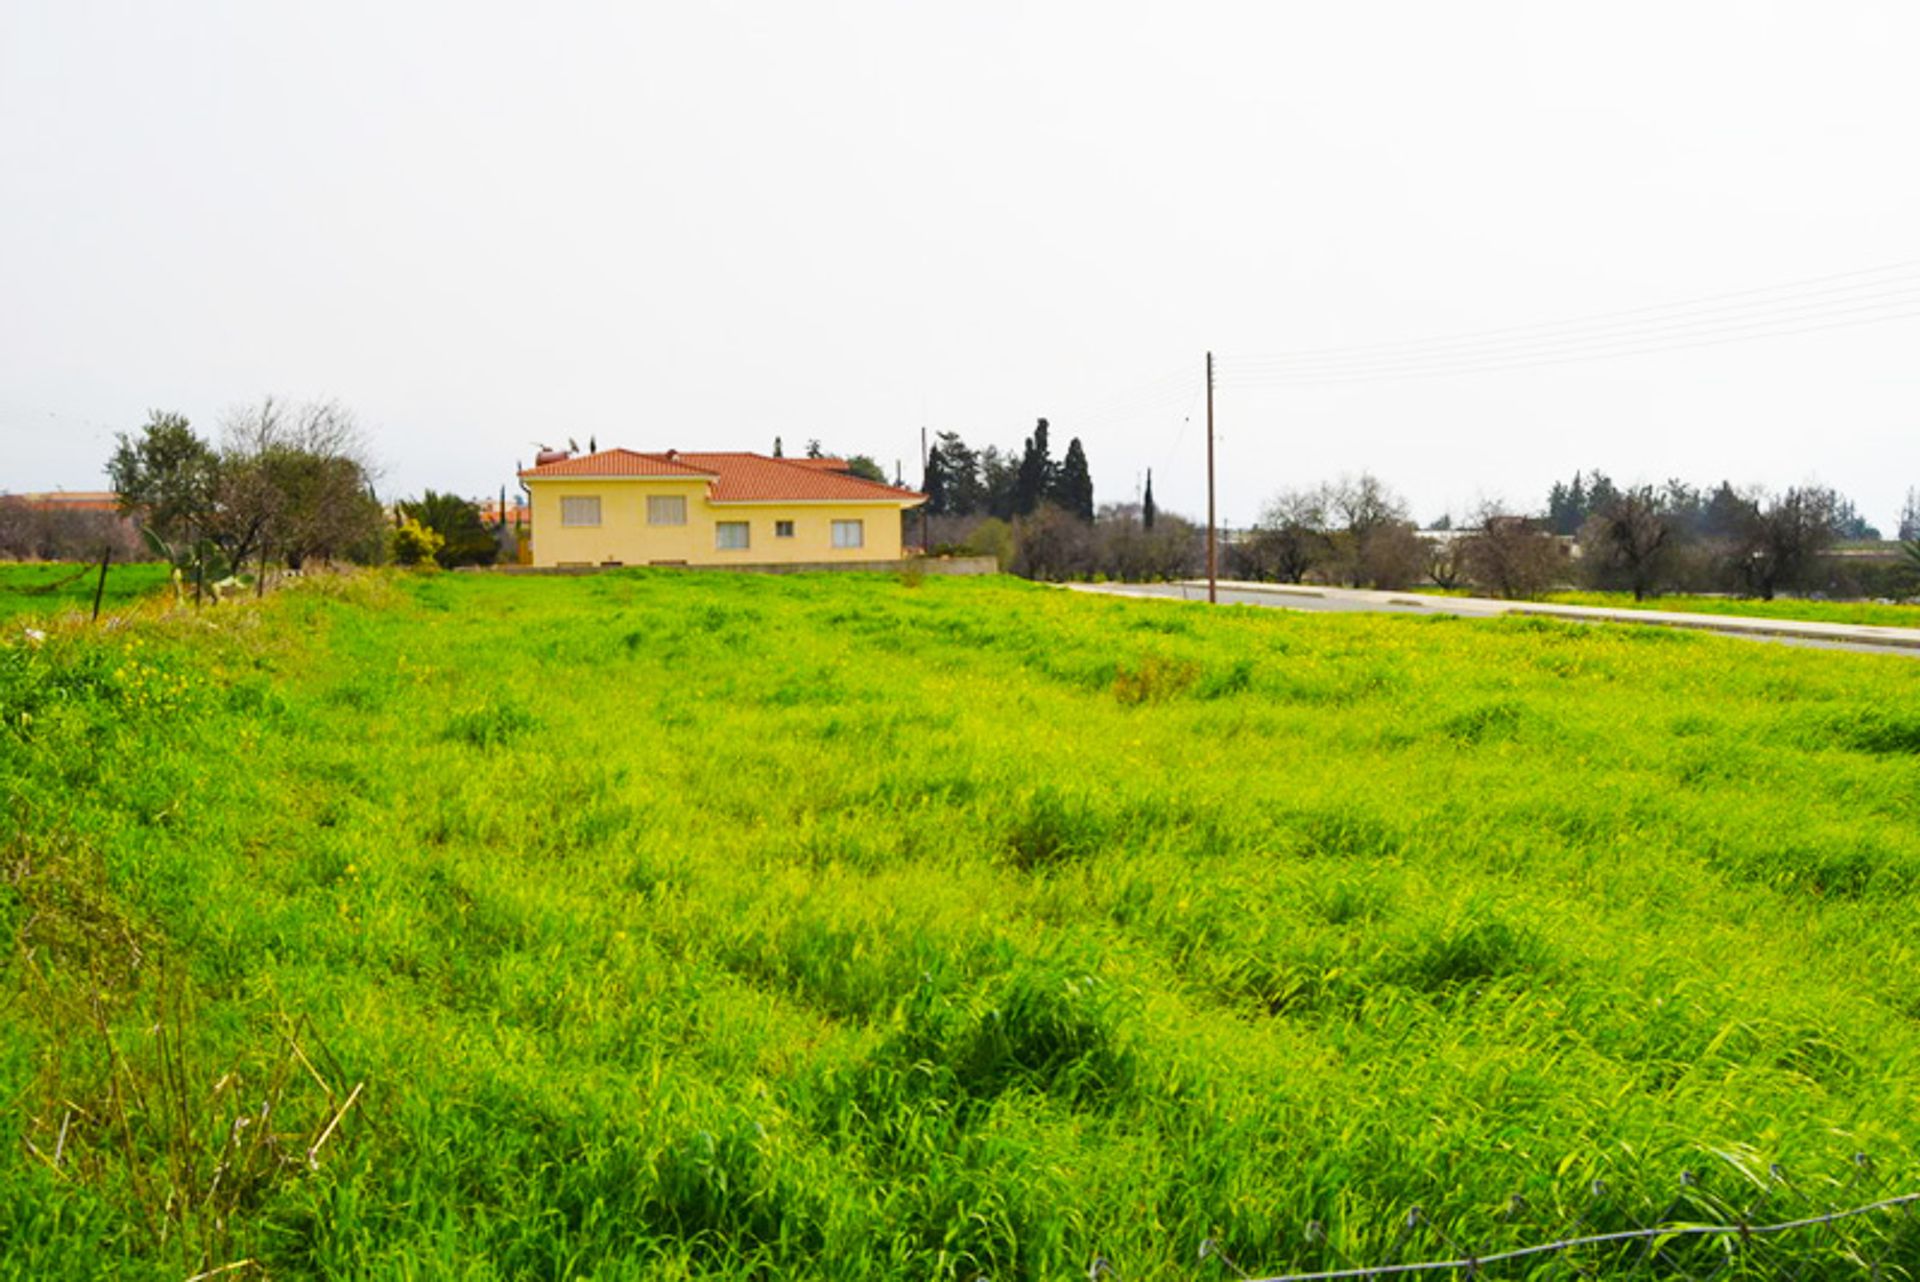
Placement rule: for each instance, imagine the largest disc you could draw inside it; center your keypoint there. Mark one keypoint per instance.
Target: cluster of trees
(1707, 513)
(1648, 539)
(1354, 531)
(285, 484)
(1642, 539)
(1053, 544)
(961, 481)
(1037, 514)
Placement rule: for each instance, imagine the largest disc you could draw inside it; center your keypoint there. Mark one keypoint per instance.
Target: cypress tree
(1147, 509)
(1072, 485)
(1034, 482)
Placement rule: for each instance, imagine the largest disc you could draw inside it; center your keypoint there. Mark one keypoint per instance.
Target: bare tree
(1126, 547)
(1780, 539)
(1291, 538)
(1512, 556)
(1365, 503)
(1446, 561)
(1051, 543)
(296, 483)
(1375, 540)
(1632, 541)
(1910, 518)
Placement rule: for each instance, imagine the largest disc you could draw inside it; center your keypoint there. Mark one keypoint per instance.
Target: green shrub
(416, 546)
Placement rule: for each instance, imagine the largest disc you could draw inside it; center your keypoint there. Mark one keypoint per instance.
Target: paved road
(1821, 636)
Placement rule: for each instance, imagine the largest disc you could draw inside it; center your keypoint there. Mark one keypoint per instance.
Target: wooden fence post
(100, 588)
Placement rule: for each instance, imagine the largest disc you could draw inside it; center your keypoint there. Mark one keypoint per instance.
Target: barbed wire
(1695, 1237)
(1666, 1232)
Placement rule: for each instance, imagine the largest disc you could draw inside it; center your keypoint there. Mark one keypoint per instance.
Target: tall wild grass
(672, 925)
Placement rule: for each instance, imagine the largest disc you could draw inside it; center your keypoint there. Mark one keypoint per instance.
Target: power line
(1186, 421)
(1896, 299)
(1790, 294)
(1174, 381)
(1140, 406)
(1430, 369)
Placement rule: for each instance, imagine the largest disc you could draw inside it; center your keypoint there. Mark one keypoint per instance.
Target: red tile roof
(738, 477)
(616, 463)
(745, 478)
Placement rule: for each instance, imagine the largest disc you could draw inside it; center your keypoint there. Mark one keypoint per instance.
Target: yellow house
(620, 507)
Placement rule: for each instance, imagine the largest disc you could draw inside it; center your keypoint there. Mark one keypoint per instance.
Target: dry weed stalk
(130, 1104)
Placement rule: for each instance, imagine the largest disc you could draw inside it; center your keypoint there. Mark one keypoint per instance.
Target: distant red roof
(737, 477)
(69, 500)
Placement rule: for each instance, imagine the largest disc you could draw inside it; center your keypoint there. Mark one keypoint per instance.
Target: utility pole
(925, 545)
(1213, 562)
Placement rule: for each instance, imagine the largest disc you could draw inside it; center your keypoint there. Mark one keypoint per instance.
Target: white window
(580, 509)
(849, 534)
(666, 509)
(783, 529)
(730, 534)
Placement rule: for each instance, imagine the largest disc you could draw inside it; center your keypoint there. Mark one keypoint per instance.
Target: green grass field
(1866, 612)
(673, 925)
(1876, 613)
(50, 589)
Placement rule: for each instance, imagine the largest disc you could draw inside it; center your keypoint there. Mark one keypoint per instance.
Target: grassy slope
(692, 924)
(49, 589)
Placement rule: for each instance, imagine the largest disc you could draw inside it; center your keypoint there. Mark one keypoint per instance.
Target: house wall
(624, 536)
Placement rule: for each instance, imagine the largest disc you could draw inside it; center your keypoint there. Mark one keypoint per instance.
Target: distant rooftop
(68, 500)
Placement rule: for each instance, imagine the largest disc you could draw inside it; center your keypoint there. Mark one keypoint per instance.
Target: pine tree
(1147, 509)
(1726, 513)
(934, 484)
(1559, 509)
(1601, 493)
(1568, 506)
(999, 481)
(966, 490)
(1072, 482)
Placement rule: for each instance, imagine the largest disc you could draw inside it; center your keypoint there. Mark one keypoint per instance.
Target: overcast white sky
(482, 226)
